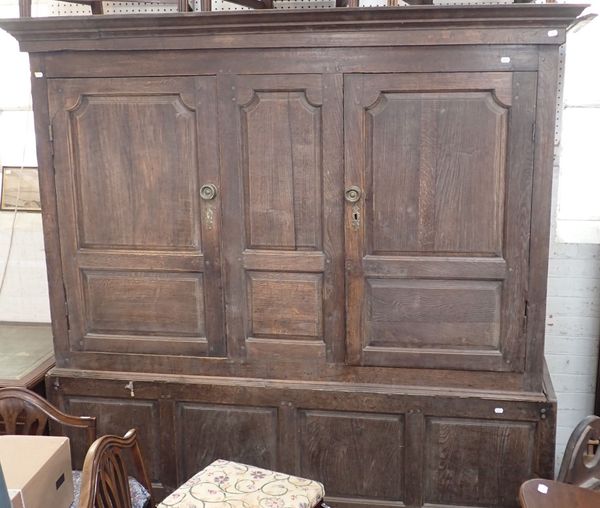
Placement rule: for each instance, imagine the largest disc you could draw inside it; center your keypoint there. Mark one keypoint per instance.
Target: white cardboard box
(37, 470)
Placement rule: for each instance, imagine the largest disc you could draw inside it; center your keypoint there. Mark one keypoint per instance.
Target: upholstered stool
(225, 484)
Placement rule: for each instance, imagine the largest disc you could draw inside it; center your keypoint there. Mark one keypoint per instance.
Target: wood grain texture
(144, 303)
(112, 415)
(518, 27)
(283, 171)
(477, 462)
(406, 328)
(334, 447)
(276, 175)
(468, 58)
(434, 182)
(371, 445)
(50, 224)
(117, 204)
(541, 209)
(421, 313)
(285, 306)
(211, 432)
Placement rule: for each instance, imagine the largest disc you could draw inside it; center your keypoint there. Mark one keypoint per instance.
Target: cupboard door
(140, 247)
(437, 229)
(282, 232)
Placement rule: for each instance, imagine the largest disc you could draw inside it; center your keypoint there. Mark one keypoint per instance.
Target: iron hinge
(525, 316)
(50, 133)
(533, 131)
(66, 309)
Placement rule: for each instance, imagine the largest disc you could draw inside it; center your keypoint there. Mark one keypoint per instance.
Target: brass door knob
(208, 191)
(352, 194)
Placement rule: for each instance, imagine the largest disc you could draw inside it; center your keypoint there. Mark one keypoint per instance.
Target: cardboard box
(16, 499)
(37, 470)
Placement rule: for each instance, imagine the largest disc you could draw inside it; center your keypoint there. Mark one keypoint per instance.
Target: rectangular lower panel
(115, 416)
(286, 305)
(418, 313)
(471, 462)
(355, 455)
(144, 303)
(206, 432)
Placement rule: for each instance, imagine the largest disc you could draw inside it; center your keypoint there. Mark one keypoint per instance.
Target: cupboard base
(371, 445)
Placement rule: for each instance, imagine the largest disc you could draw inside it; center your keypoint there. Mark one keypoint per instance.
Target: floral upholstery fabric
(225, 484)
(139, 495)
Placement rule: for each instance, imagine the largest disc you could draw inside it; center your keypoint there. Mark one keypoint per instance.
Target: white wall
(573, 310)
(24, 293)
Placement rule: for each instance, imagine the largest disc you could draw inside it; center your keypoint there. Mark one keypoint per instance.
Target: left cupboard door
(137, 183)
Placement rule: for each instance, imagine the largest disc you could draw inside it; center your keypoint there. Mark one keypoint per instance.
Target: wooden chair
(550, 494)
(104, 480)
(25, 412)
(581, 462)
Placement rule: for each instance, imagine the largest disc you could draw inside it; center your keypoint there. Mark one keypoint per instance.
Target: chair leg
(25, 8)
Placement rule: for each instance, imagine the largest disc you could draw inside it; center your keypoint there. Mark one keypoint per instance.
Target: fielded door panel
(281, 149)
(133, 160)
(438, 175)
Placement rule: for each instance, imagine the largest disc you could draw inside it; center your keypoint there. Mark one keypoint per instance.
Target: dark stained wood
(468, 58)
(321, 431)
(44, 151)
(244, 434)
(114, 414)
(540, 217)
(414, 457)
(447, 198)
(554, 494)
(114, 207)
(547, 429)
(209, 279)
(276, 131)
(476, 463)
(536, 22)
(332, 441)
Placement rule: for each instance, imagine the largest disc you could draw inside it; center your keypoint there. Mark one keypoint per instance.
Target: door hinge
(66, 309)
(525, 315)
(533, 131)
(50, 133)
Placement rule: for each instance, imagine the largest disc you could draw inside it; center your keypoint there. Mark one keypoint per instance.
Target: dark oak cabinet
(311, 241)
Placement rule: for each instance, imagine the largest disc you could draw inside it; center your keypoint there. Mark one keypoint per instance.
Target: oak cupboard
(311, 241)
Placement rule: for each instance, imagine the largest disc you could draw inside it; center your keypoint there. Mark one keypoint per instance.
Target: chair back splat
(581, 462)
(25, 412)
(104, 479)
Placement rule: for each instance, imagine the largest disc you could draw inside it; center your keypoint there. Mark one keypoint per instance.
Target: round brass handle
(352, 194)
(208, 191)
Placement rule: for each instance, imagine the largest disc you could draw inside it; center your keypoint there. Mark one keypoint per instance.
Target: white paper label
(499, 410)
(543, 488)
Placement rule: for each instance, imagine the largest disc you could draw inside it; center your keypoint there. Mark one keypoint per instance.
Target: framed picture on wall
(20, 189)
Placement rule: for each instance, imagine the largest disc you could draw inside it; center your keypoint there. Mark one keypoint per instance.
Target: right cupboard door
(438, 176)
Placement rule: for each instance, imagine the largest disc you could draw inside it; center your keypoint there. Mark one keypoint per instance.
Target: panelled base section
(371, 445)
